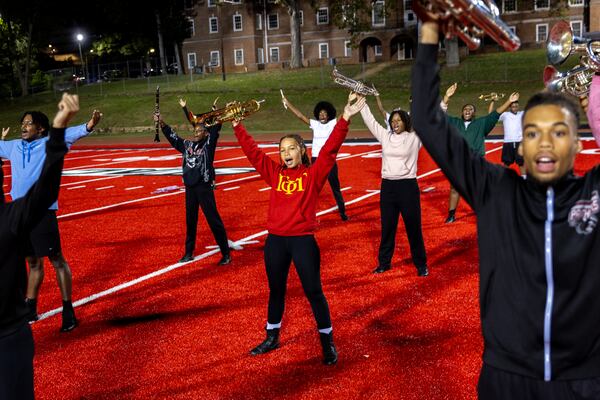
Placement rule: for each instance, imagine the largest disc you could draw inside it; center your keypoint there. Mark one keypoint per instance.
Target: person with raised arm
(539, 243)
(17, 218)
(295, 185)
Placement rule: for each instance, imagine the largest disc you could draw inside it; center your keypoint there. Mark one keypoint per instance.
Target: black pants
(334, 183)
(401, 197)
(203, 196)
(16, 365)
(280, 251)
(496, 384)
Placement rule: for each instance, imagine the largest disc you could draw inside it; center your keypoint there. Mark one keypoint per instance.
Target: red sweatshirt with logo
(294, 191)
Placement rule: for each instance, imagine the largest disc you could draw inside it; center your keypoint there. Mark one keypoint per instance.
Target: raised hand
(355, 103)
(182, 102)
(5, 132)
(514, 97)
(96, 117)
(67, 108)
(214, 105)
(451, 90)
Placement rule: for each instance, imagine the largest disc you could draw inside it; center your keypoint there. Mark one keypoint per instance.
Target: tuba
(560, 45)
(356, 86)
(231, 111)
(470, 20)
(493, 96)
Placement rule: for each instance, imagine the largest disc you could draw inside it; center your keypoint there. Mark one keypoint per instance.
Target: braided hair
(305, 160)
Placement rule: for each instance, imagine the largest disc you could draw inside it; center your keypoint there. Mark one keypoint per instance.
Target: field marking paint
(133, 188)
(105, 187)
(231, 188)
(91, 180)
(76, 187)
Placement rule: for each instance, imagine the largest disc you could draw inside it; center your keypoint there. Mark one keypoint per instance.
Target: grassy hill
(130, 103)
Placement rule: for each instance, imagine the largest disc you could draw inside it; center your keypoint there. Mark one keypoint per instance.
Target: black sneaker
(330, 355)
(269, 344)
(186, 258)
(451, 217)
(69, 322)
(225, 260)
(32, 314)
(381, 269)
(422, 271)
(343, 216)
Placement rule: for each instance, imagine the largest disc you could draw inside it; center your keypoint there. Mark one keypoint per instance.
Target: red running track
(151, 328)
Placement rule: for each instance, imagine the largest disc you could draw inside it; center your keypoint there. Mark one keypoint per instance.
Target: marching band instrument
(157, 112)
(560, 45)
(355, 85)
(493, 96)
(470, 20)
(231, 111)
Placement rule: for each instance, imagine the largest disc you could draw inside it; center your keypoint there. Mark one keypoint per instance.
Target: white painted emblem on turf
(584, 214)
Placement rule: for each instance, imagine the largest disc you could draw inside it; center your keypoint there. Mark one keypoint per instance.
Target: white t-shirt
(320, 134)
(513, 128)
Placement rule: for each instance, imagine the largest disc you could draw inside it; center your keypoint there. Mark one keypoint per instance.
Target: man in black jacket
(16, 220)
(198, 177)
(539, 244)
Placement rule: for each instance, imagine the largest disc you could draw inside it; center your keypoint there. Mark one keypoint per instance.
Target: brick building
(246, 38)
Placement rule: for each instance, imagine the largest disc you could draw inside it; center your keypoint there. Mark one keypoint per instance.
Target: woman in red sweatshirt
(291, 223)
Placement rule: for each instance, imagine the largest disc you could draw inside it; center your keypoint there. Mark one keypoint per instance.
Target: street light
(79, 39)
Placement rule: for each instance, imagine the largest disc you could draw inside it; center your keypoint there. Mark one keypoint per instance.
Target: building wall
(594, 15)
(394, 40)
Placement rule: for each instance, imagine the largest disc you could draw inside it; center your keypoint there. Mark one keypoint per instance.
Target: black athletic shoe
(330, 354)
(69, 322)
(451, 217)
(381, 269)
(343, 216)
(225, 260)
(269, 344)
(422, 271)
(32, 314)
(186, 258)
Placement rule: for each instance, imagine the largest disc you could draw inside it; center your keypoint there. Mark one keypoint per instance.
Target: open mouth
(289, 162)
(545, 164)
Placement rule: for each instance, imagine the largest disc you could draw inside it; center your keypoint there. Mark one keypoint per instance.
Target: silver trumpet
(560, 45)
(470, 20)
(356, 86)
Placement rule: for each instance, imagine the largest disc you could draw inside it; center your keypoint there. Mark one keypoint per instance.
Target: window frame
(269, 21)
(218, 53)
(321, 51)
(318, 15)
(375, 4)
(235, 61)
(210, 26)
(234, 16)
(537, 32)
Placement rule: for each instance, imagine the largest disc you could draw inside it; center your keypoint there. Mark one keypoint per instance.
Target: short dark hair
(328, 107)
(469, 104)
(557, 99)
(300, 141)
(38, 118)
(404, 117)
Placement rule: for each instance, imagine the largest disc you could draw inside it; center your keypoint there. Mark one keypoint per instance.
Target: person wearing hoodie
(27, 157)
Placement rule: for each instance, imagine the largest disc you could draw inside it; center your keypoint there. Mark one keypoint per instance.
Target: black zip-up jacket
(198, 157)
(16, 220)
(539, 249)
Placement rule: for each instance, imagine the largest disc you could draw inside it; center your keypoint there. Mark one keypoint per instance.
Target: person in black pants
(198, 177)
(322, 126)
(17, 218)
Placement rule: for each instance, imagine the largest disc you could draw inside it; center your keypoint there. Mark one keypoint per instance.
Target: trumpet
(231, 111)
(493, 96)
(470, 20)
(560, 45)
(355, 85)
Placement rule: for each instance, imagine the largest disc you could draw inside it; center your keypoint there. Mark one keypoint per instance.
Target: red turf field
(185, 331)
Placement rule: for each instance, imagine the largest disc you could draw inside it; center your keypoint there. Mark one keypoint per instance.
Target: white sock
(273, 326)
(326, 331)
(524, 176)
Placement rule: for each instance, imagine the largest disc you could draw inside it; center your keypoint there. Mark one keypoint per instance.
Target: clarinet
(157, 112)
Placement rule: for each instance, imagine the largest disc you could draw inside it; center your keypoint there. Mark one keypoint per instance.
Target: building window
(237, 22)
(541, 32)
(323, 50)
(378, 50)
(509, 6)
(212, 3)
(213, 25)
(576, 3)
(191, 59)
(273, 21)
(301, 18)
(274, 54)
(378, 13)
(260, 55)
(347, 48)
(577, 28)
(215, 58)
(192, 26)
(323, 16)
(542, 4)
(409, 15)
(238, 56)
(235, 1)
(258, 20)
(302, 51)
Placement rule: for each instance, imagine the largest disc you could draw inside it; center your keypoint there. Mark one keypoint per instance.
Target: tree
(354, 16)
